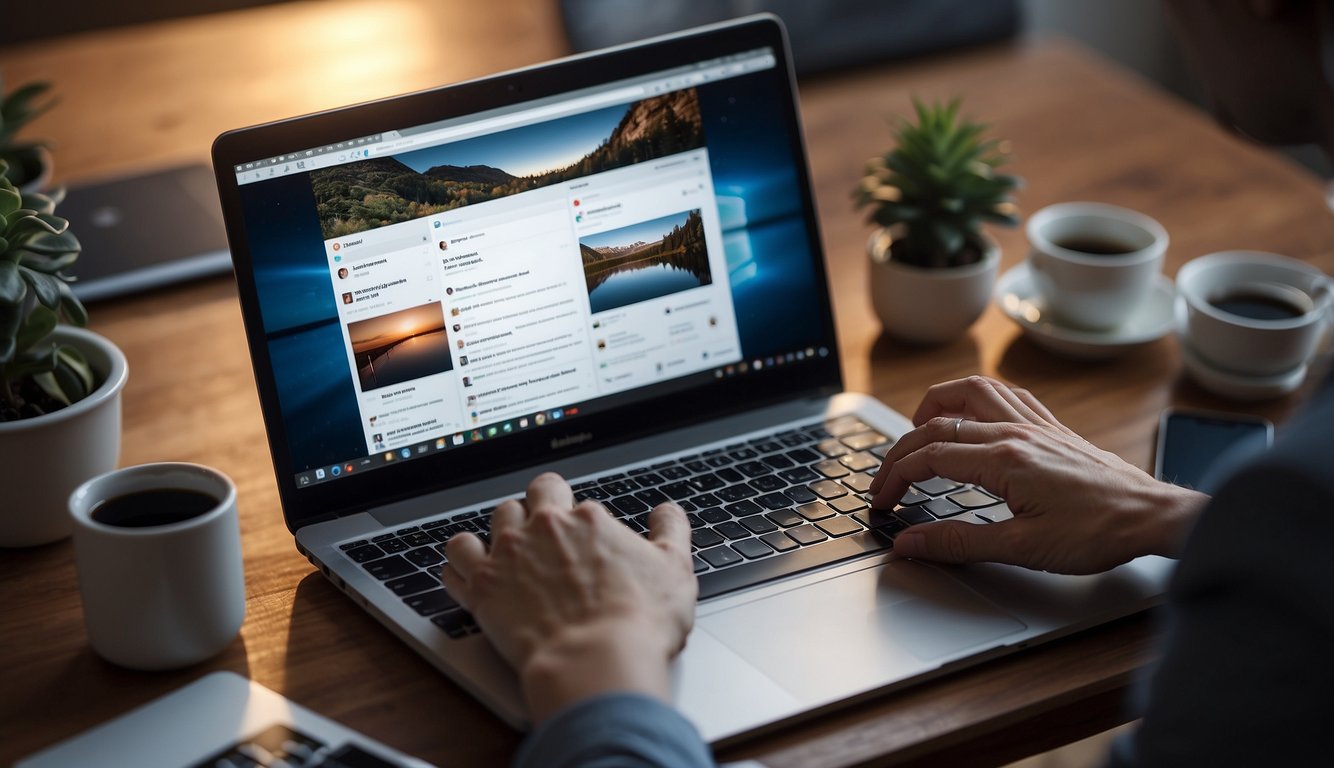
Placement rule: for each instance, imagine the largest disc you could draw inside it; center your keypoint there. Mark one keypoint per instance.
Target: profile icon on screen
(347, 298)
(467, 381)
(444, 246)
(453, 311)
(457, 327)
(342, 273)
(459, 343)
(449, 291)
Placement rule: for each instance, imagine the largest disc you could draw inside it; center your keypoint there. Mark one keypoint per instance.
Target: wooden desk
(158, 94)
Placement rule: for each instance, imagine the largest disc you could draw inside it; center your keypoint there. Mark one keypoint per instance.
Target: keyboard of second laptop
(759, 509)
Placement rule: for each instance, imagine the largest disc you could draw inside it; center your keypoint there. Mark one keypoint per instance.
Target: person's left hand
(575, 601)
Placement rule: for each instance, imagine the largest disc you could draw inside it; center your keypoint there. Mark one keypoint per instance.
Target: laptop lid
(457, 283)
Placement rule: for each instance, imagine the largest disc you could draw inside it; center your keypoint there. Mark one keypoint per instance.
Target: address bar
(500, 122)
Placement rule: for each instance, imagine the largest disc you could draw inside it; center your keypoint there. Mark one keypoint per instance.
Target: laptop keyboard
(758, 509)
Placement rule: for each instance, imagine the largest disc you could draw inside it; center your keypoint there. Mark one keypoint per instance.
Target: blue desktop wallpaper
(765, 239)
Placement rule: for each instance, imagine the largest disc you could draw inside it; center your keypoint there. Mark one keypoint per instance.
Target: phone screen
(1191, 444)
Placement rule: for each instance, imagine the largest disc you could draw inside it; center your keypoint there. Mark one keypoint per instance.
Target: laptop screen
(431, 288)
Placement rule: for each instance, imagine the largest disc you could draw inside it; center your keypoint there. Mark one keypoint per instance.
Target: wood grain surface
(148, 96)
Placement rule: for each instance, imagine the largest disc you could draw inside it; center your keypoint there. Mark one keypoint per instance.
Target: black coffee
(1257, 306)
(1098, 246)
(157, 506)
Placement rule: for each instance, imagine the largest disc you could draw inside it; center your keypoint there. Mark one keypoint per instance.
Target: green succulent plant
(26, 159)
(933, 191)
(36, 247)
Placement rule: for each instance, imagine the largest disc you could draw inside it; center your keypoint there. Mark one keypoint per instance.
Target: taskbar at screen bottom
(381, 458)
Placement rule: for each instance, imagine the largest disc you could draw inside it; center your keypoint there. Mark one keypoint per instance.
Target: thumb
(954, 542)
(667, 523)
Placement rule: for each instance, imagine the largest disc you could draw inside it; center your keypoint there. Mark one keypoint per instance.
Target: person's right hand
(1077, 509)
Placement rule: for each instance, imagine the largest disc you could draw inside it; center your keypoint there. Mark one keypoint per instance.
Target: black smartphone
(1190, 443)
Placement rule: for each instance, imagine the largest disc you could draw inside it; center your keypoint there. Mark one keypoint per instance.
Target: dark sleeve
(621, 730)
(1247, 675)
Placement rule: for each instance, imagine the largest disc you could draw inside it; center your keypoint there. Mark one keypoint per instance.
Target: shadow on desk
(345, 665)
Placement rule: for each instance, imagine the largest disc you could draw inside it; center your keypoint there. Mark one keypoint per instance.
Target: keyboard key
(649, 479)
(633, 524)
(875, 518)
(785, 517)
(620, 487)
(705, 537)
(732, 530)
(860, 482)
(996, 514)
(803, 455)
(365, 553)
(859, 462)
(806, 534)
(456, 624)
(768, 445)
(880, 450)
(651, 496)
(728, 475)
(913, 496)
(381, 537)
(832, 447)
(417, 539)
(838, 526)
(423, 557)
(936, 486)
(847, 504)
(753, 572)
(743, 454)
(831, 468)
(609, 478)
(779, 541)
(942, 508)
(431, 603)
(768, 483)
(412, 584)
(710, 481)
(735, 492)
(758, 524)
(752, 549)
(914, 515)
(828, 489)
(674, 473)
(707, 500)
(394, 545)
(714, 515)
(798, 475)
(698, 564)
(693, 519)
(406, 531)
(815, 511)
(773, 501)
(678, 490)
(753, 468)
(778, 461)
(353, 544)
(743, 508)
(973, 499)
(389, 567)
(715, 462)
(628, 505)
(863, 440)
(720, 556)
(800, 494)
(595, 493)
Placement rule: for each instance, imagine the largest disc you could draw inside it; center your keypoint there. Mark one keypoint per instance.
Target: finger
(456, 586)
(508, 514)
(667, 525)
(976, 397)
(963, 462)
(550, 491)
(957, 542)
(941, 429)
(465, 552)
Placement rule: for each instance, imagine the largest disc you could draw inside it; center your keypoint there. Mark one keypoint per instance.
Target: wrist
(1169, 512)
(589, 660)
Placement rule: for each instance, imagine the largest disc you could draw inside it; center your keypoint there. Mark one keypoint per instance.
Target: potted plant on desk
(932, 266)
(59, 385)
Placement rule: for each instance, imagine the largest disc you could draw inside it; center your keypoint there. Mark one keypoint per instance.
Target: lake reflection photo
(645, 261)
(400, 346)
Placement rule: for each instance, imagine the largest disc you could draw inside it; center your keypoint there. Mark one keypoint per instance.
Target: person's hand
(1077, 509)
(574, 600)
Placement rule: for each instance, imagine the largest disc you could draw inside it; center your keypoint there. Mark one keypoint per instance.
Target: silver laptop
(607, 266)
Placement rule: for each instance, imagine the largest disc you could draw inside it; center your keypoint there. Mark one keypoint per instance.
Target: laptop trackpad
(861, 630)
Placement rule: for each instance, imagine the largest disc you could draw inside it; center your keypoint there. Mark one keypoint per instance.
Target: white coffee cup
(160, 575)
(1253, 346)
(1094, 290)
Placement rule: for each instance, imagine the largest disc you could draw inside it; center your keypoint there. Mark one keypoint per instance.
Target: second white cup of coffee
(158, 552)
(1094, 264)
(1252, 313)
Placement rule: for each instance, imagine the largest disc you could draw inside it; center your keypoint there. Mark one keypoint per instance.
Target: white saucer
(1236, 386)
(1018, 298)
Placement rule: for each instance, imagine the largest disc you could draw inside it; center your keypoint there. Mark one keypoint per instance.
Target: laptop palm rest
(825, 640)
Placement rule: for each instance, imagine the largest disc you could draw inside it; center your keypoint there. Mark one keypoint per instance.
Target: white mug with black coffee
(1094, 264)
(1252, 313)
(158, 552)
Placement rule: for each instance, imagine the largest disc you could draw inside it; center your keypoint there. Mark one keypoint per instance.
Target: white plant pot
(47, 457)
(931, 306)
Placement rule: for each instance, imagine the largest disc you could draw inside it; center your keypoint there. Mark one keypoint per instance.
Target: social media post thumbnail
(645, 261)
(400, 346)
